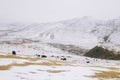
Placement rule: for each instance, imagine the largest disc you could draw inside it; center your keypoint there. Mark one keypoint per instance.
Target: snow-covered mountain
(85, 32)
(41, 49)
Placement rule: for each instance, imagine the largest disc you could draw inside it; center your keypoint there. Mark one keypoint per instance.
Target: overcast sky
(55, 10)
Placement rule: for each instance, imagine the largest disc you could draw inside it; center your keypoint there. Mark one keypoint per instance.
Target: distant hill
(85, 32)
(99, 52)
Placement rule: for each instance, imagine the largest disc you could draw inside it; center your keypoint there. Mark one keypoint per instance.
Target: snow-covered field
(28, 66)
(76, 68)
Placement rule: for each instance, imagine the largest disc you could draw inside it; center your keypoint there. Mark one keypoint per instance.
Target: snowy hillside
(85, 32)
(49, 49)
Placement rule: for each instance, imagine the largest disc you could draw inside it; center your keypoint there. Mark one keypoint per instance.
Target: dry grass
(98, 66)
(113, 68)
(106, 74)
(18, 57)
(48, 63)
(56, 71)
(5, 67)
(32, 72)
(110, 68)
(31, 61)
(10, 56)
(55, 63)
(112, 73)
(53, 71)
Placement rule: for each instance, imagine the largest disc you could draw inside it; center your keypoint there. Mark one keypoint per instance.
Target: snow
(5, 61)
(31, 39)
(17, 74)
(75, 71)
(85, 32)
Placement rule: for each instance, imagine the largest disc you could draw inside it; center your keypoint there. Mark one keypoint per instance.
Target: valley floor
(17, 67)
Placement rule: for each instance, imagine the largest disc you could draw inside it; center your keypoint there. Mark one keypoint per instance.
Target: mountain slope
(85, 32)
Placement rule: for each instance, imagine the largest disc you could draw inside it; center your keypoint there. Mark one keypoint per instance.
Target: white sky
(55, 10)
